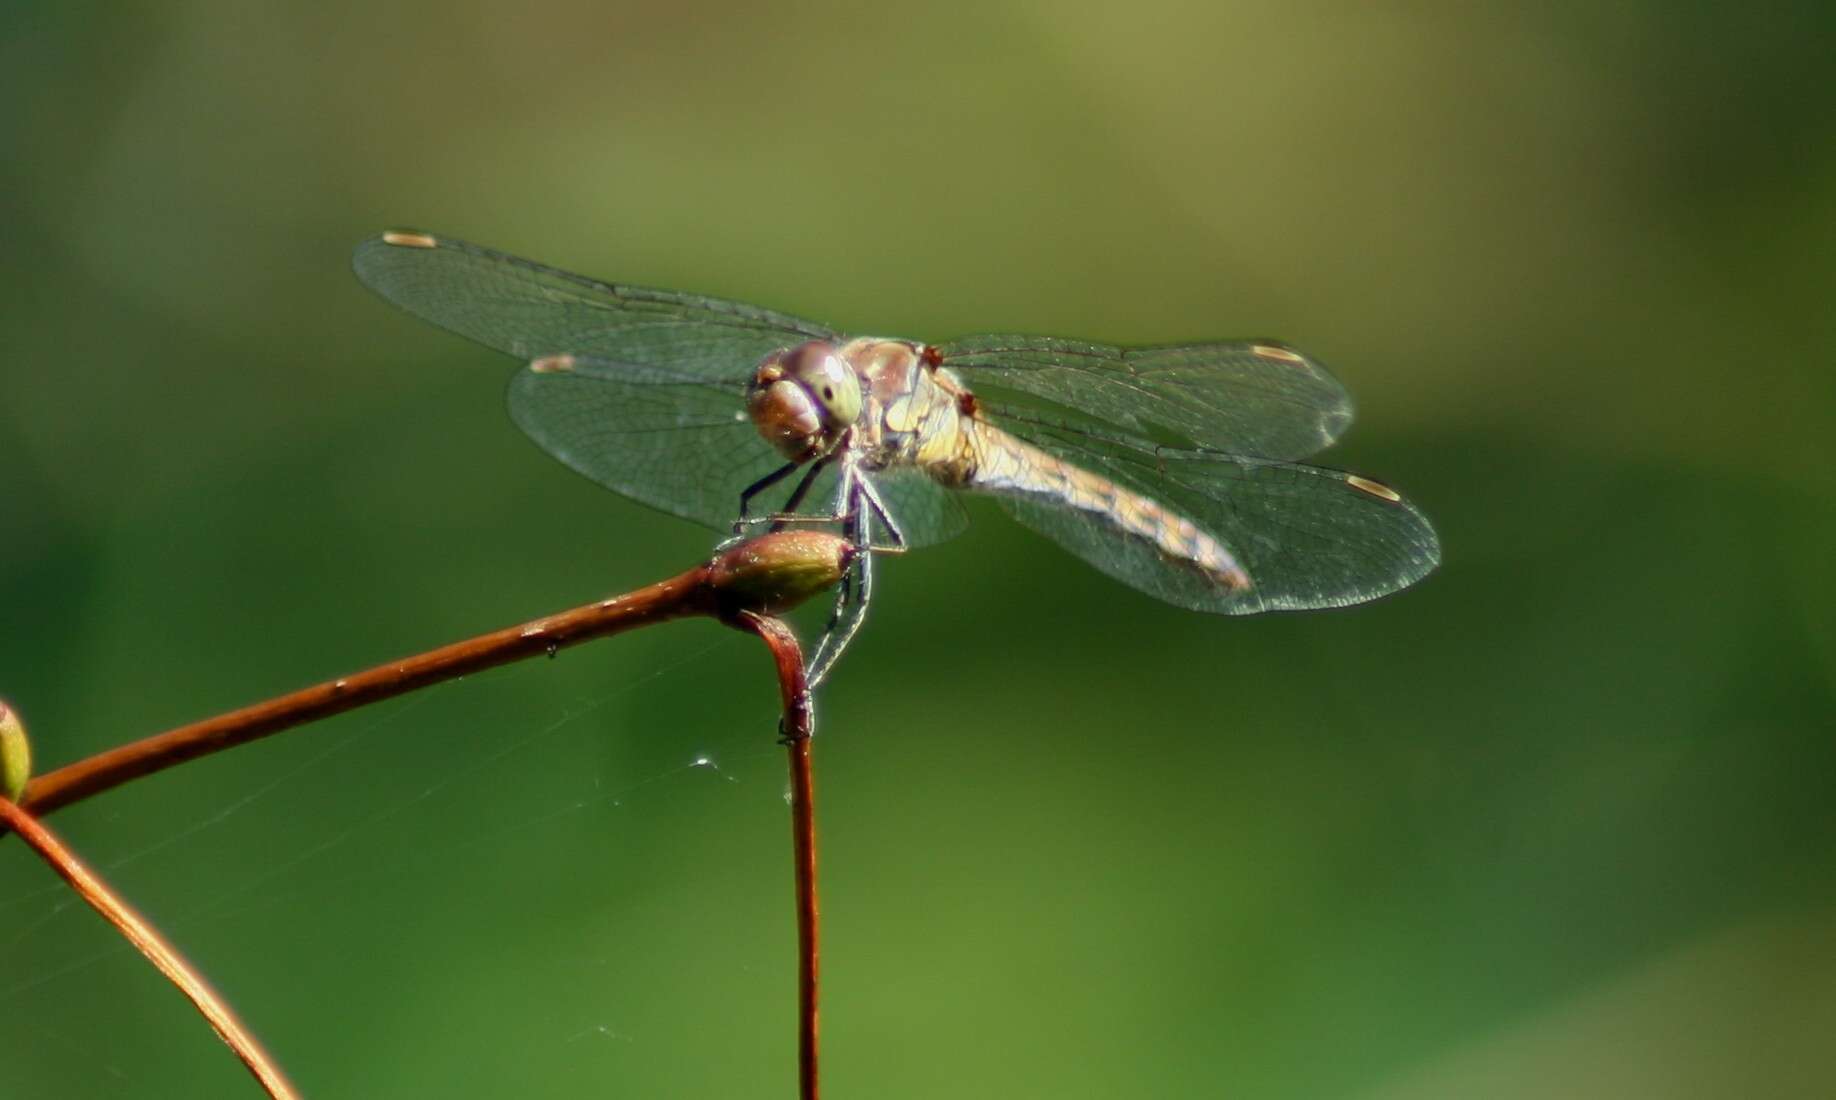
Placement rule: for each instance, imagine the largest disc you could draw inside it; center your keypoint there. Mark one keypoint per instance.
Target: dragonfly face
(803, 399)
(1173, 469)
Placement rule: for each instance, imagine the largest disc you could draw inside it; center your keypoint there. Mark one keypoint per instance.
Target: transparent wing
(926, 512)
(1308, 537)
(530, 310)
(682, 445)
(673, 443)
(1249, 397)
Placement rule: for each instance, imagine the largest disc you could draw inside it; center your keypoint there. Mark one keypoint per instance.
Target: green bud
(774, 573)
(15, 755)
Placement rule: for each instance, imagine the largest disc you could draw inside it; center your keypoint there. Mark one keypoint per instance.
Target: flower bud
(775, 572)
(15, 755)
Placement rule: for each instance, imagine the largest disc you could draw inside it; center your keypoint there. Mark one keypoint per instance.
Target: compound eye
(834, 384)
(783, 413)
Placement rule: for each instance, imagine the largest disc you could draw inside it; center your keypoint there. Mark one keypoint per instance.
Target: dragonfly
(1174, 469)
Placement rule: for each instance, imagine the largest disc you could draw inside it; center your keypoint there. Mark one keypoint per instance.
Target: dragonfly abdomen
(1004, 464)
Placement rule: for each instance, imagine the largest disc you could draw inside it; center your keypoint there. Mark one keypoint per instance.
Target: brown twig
(151, 944)
(688, 594)
(797, 727)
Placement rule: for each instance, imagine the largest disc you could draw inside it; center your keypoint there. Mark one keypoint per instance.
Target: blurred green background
(1554, 823)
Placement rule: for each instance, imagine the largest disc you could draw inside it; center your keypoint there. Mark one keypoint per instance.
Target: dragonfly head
(802, 399)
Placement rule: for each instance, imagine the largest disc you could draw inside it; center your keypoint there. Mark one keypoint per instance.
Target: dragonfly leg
(843, 591)
(821, 660)
(788, 514)
(779, 521)
(757, 487)
(849, 613)
(838, 512)
(877, 507)
(837, 640)
(795, 500)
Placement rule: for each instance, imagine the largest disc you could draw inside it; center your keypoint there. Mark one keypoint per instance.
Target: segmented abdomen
(1001, 463)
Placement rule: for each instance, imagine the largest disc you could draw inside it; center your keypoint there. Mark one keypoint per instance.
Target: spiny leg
(878, 507)
(783, 517)
(843, 591)
(795, 500)
(843, 449)
(834, 642)
(846, 498)
(746, 521)
(759, 486)
(859, 526)
(788, 513)
(820, 660)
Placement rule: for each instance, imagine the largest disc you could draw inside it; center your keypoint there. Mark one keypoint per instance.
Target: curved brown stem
(797, 727)
(90, 887)
(687, 594)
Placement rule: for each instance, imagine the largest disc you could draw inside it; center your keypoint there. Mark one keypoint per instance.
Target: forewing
(1308, 537)
(676, 443)
(531, 310)
(1258, 398)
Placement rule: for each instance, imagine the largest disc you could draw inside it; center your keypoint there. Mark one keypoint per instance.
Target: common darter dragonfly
(1172, 469)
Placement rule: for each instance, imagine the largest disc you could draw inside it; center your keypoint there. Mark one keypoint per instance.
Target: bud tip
(15, 754)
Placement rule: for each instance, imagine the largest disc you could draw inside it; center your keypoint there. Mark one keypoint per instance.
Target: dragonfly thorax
(803, 398)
